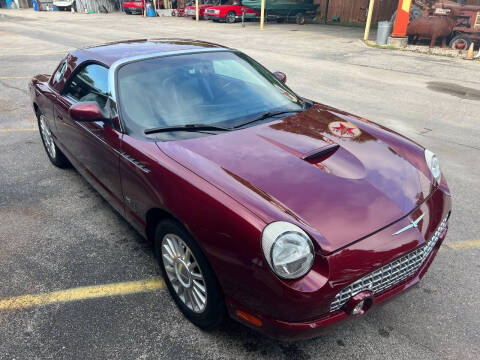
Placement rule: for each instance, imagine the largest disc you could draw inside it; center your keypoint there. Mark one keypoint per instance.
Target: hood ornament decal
(344, 129)
(413, 224)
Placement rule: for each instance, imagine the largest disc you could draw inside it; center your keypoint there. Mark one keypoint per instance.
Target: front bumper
(361, 259)
(133, 8)
(210, 16)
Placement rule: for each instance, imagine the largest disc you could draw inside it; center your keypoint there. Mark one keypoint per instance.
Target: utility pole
(262, 14)
(369, 20)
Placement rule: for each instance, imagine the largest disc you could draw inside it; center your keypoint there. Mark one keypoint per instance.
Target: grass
(388, 47)
(428, 51)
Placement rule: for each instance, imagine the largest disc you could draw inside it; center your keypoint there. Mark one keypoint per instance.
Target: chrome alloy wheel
(47, 137)
(184, 273)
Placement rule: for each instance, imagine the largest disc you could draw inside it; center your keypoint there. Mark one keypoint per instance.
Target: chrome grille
(390, 274)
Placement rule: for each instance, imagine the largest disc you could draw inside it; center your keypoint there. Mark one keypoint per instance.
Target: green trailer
(284, 10)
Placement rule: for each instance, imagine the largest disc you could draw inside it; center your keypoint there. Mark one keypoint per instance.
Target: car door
(93, 147)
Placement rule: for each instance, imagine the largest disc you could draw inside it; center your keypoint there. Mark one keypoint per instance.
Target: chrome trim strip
(413, 224)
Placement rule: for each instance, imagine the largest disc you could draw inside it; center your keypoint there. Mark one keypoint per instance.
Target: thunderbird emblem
(413, 224)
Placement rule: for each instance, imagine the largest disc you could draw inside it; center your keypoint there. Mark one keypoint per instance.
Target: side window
(89, 84)
(60, 73)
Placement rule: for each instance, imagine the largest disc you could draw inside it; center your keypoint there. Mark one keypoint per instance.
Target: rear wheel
(230, 18)
(460, 42)
(188, 275)
(55, 155)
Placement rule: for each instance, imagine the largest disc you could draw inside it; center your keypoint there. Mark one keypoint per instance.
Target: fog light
(358, 308)
(359, 304)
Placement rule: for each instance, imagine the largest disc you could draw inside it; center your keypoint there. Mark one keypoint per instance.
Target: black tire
(280, 20)
(214, 312)
(300, 18)
(230, 18)
(460, 42)
(54, 154)
(128, 12)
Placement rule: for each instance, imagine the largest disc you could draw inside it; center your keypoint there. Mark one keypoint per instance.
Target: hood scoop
(322, 153)
(330, 158)
(326, 149)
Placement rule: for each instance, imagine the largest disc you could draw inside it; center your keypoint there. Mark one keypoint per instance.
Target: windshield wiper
(188, 127)
(266, 115)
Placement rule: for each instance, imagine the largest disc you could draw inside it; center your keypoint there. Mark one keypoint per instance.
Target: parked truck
(284, 10)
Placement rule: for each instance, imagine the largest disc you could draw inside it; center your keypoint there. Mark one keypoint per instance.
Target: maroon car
(282, 212)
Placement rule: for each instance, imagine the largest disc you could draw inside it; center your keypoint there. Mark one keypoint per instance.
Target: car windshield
(213, 88)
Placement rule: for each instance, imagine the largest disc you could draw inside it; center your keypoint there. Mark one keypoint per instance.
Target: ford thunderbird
(283, 213)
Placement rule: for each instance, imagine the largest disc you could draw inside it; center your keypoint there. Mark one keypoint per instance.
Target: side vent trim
(135, 162)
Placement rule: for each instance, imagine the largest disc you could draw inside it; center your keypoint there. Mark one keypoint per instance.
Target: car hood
(337, 176)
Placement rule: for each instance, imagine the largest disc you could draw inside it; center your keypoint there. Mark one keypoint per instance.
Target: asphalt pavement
(56, 233)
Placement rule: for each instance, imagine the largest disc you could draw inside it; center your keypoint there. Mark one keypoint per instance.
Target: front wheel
(55, 155)
(300, 18)
(188, 275)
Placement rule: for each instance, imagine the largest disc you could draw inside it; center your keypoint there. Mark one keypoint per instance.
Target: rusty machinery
(467, 23)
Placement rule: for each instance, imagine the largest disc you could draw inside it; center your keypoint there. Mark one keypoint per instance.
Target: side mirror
(86, 111)
(280, 76)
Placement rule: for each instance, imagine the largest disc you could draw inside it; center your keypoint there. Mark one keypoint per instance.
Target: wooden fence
(355, 11)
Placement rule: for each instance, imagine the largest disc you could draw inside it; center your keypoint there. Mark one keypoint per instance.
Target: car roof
(112, 52)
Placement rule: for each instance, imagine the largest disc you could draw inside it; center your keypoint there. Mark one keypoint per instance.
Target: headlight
(433, 164)
(287, 249)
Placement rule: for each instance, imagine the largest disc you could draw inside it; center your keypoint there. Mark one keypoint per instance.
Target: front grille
(390, 274)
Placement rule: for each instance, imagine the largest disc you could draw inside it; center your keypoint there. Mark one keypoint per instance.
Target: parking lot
(76, 281)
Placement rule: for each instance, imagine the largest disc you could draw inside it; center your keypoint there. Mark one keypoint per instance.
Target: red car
(136, 6)
(178, 12)
(133, 7)
(203, 5)
(230, 13)
(280, 211)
